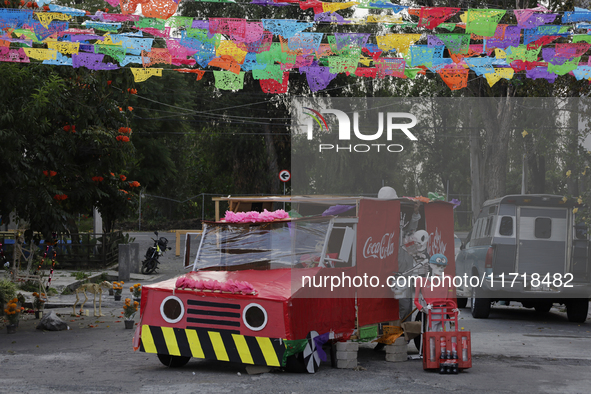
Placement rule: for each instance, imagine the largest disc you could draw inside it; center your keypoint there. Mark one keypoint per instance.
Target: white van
(527, 248)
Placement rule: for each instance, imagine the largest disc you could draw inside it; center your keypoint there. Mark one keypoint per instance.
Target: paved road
(514, 351)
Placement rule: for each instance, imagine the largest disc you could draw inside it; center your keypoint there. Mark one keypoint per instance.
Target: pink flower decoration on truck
(230, 286)
(255, 217)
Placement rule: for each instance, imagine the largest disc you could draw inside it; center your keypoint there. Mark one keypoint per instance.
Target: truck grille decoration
(230, 286)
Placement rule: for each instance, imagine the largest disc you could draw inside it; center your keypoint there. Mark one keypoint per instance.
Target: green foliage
(51, 291)
(58, 131)
(80, 275)
(127, 239)
(7, 291)
(29, 285)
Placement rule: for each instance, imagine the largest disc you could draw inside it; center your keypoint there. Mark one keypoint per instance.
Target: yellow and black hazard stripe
(213, 345)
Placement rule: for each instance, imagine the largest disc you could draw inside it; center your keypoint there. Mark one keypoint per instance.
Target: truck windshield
(238, 246)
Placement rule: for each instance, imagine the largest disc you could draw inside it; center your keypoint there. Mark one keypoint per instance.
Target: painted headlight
(172, 309)
(254, 317)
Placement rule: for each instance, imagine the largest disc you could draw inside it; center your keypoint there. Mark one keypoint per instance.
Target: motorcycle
(150, 264)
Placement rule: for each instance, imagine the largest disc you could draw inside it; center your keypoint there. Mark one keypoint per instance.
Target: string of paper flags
(447, 41)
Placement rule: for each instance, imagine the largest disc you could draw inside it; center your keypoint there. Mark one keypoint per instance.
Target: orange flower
(52, 173)
(130, 108)
(66, 128)
(109, 82)
(122, 177)
(46, 173)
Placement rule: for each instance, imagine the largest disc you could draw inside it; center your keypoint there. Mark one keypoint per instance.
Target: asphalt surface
(514, 351)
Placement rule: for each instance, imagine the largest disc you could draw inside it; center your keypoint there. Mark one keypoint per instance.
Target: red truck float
(271, 293)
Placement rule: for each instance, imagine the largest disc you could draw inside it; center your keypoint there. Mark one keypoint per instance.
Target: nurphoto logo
(391, 119)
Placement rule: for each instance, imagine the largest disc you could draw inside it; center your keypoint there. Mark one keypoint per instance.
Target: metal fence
(90, 251)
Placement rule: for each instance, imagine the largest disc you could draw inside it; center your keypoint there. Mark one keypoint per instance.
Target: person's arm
(414, 220)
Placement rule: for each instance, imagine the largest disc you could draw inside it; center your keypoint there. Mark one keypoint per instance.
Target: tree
(61, 136)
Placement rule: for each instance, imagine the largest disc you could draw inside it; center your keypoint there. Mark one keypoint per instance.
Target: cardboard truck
(266, 293)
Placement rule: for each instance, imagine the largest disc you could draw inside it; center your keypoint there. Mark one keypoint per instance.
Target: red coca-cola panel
(378, 232)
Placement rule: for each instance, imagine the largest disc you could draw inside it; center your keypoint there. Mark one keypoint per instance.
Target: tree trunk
(272, 163)
(497, 116)
(572, 146)
(477, 189)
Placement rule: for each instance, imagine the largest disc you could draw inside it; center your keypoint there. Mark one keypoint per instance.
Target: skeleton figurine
(92, 288)
(417, 248)
(435, 290)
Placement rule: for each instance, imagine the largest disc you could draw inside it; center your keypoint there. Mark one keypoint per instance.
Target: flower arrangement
(13, 311)
(230, 286)
(255, 217)
(39, 301)
(118, 288)
(136, 290)
(130, 309)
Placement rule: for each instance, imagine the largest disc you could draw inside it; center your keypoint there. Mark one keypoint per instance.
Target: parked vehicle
(527, 248)
(457, 244)
(150, 263)
(246, 299)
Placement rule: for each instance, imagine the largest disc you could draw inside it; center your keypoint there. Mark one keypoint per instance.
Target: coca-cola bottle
(442, 355)
(454, 356)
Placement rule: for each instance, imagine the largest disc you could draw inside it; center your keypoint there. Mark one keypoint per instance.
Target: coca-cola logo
(381, 249)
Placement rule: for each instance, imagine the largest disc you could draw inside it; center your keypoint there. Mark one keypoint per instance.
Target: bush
(7, 291)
